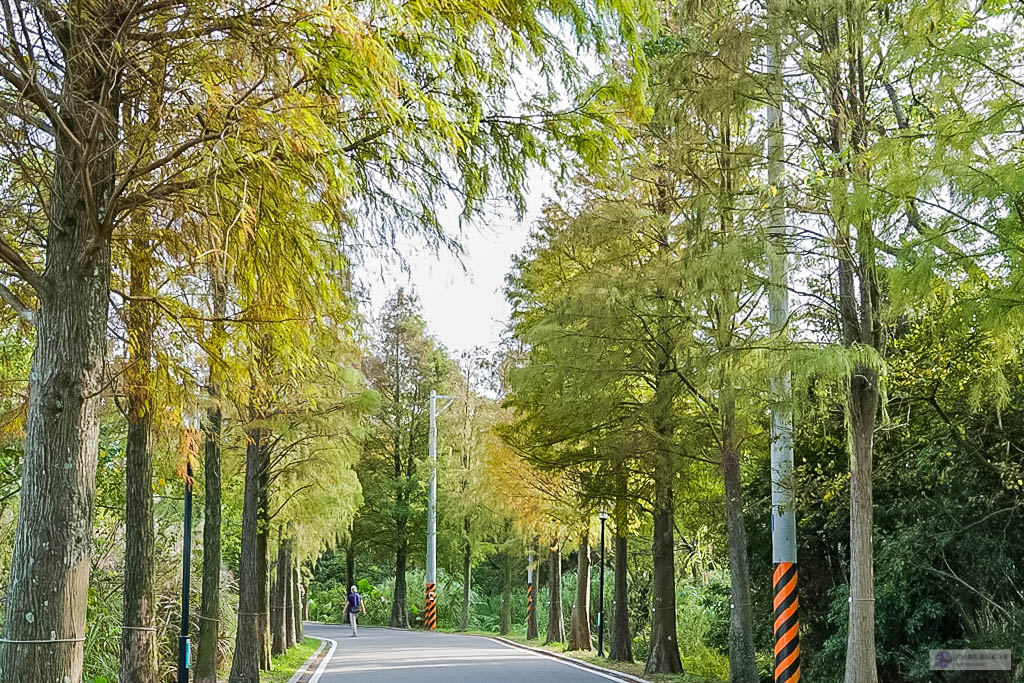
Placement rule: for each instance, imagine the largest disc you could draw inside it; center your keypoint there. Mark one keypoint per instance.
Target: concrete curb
(303, 670)
(325, 661)
(569, 660)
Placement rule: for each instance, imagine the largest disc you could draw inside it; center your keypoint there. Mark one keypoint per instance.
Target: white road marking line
(326, 660)
(559, 660)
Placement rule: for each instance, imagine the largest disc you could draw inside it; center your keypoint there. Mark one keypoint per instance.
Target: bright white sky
(464, 305)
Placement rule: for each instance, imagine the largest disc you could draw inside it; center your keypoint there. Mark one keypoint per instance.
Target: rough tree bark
(663, 656)
(664, 653)
(742, 663)
(288, 595)
(277, 600)
(467, 576)
(556, 625)
(245, 666)
(297, 592)
(350, 563)
(579, 632)
(505, 625)
(209, 610)
(532, 630)
(860, 654)
(138, 634)
(621, 649)
(399, 615)
(262, 555)
(47, 590)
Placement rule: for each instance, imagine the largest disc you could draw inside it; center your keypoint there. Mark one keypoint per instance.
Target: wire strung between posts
(138, 628)
(208, 618)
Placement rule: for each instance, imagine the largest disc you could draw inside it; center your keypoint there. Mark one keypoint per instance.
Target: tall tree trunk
(664, 653)
(532, 627)
(663, 656)
(47, 590)
(467, 576)
(138, 634)
(297, 592)
(742, 663)
(277, 600)
(399, 613)
(859, 305)
(579, 634)
(506, 596)
(350, 562)
(262, 556)
(245, 666)
(209, 611)
(556, 625)
(289, 600)
(860, 653)
(621, 649)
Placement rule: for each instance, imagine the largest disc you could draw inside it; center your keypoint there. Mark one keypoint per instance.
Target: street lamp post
(430, 611)
(600, 612)
(184, 647)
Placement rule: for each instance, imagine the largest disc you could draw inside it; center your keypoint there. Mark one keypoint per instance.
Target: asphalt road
(381, 655)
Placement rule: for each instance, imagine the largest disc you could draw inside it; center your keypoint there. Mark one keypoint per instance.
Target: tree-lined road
(381, 655)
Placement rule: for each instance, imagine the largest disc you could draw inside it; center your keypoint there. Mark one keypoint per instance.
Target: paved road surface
(381, 655)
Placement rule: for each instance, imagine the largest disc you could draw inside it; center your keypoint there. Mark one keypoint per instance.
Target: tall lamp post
(430, 611)
(184, 647)
(600, 612)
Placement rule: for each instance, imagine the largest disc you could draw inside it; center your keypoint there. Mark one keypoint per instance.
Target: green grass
(590, 656)
(285, 665)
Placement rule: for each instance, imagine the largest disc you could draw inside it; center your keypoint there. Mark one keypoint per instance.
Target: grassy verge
(285, 665)
(590, 656)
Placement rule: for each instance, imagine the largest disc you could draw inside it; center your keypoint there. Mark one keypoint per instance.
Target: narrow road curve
(380, 655)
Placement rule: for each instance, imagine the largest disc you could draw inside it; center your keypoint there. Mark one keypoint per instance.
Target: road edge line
(327, 659)
(305, 665)
(565, 659)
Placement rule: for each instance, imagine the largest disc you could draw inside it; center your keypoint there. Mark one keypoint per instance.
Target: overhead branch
(21, 268)
(157, 165)
(15, 107)
(19, 306)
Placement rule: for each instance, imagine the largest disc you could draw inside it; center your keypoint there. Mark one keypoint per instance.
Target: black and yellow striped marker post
(430, 614)
(787, 623)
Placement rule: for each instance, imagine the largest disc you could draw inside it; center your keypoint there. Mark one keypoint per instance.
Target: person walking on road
(354, 606)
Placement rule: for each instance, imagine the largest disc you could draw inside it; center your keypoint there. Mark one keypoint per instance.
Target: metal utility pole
(600, 611)
(430, 615)
(784, 576)
(184, 647)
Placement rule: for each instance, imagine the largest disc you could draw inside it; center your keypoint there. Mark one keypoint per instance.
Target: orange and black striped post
(783, 520)
(430, 613)
(787, 623)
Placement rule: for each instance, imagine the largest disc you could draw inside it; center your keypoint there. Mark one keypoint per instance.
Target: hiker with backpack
(353, 607)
